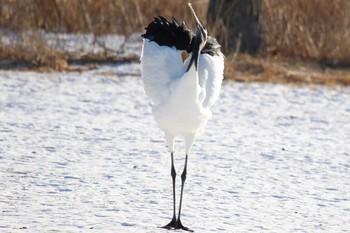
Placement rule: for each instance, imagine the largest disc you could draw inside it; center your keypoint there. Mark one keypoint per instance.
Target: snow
(76, 45)
(81, 152)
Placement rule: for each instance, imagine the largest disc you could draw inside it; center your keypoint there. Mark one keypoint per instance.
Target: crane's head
(200, 39)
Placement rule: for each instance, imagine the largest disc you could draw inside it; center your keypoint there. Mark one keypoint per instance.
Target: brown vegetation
(246, 68)
(85, 16)
(310, 29)
(100, 17)
(316, 31)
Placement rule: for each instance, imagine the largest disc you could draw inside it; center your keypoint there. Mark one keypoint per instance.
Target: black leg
(172, 223)
(183, 178)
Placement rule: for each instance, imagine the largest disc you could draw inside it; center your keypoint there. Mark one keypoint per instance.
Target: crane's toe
(182, 227)
(171, 225)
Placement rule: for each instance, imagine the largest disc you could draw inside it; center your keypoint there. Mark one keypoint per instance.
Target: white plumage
(181, 92)
(181, 100)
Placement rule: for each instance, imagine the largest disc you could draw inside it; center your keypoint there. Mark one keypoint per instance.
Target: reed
(310, 30)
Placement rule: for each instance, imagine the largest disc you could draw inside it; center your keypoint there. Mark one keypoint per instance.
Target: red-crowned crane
(182, 92)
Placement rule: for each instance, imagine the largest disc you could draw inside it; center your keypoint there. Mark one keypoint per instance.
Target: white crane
(182, 92)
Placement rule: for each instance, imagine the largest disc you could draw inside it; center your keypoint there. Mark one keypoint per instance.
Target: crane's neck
(195, 55)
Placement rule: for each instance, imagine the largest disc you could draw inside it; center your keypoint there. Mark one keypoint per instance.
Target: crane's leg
(183, 178)
(172, 223)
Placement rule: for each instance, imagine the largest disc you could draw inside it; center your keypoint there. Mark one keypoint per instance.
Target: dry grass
(100, 17)
(30, 46)
(85, 16)
(310, 29)
(313, 30)
(245, 68)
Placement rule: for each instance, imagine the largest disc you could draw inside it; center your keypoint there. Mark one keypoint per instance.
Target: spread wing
(160, 66)
(161, 62)
(210, 71)
(210, 74)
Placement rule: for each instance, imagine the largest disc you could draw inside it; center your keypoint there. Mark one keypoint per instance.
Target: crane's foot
(176, 225)
(182, 227)
(171, 225)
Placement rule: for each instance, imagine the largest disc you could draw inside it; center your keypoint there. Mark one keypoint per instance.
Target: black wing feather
(164, 33)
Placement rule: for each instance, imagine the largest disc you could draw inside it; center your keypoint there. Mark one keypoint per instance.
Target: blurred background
(263, 40)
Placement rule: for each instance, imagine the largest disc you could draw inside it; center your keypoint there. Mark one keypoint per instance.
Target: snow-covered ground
(80, 152)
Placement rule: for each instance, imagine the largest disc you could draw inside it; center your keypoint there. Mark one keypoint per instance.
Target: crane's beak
(199, 42)
(194, 15)
(199, 28)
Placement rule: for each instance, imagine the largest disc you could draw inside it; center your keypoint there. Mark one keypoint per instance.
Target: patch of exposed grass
(310, 29)
(246, 68)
